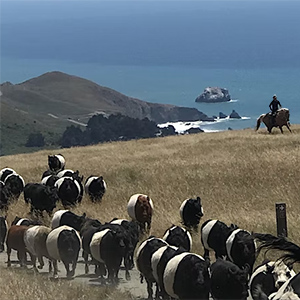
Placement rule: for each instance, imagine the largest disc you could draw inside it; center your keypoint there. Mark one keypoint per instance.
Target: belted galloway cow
(140, 209)
(63, 244)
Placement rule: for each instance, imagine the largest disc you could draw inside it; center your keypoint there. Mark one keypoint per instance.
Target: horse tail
(269, 241)
(259, 121)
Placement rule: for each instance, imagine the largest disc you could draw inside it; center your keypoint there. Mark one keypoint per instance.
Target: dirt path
(138, 290)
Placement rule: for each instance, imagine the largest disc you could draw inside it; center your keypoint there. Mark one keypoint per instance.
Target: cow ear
(101, 178)
(290, 265)
(247, 269)
(84, 215)
(270, 269)
(199, 199)
(233, 270)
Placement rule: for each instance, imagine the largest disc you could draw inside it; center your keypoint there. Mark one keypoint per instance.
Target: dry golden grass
(239, 175)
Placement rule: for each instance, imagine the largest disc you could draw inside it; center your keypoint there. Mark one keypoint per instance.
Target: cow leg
(127, 265)
(50, 265)
(8, 251)
(74, 264)
(22, 258)
(55, 275)
(33, 261)
(67, 266)
(41, 262)
(280, 127)
(149, 290)
(85, 256)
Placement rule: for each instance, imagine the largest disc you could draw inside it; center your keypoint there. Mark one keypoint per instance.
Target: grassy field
(239, 175)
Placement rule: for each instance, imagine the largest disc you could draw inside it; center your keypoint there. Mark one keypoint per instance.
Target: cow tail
(258, 122)
(141, 278)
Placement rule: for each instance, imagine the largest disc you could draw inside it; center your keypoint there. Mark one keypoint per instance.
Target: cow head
(143, 209)
(52, 195)
(76, 176)
(281, 272)
(240, 278)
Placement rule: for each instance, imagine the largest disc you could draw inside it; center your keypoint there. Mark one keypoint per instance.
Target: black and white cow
(35, 241)
(48, 173)
(70, 173)
(159, 261)
(191, 212)
(56, 162)
(49, 180)
(66, 217)
(95, 187)
(86, 232)
(186, 276)
(5, 172)
(25, 222)
(214, 234)
(15, 185)
(228, 281)
(107, 246)
(41, 197)
(3, 232)
(269, 276)
(143, 261)
(291, 288)
(241, 248)
(4, 196)
(69, 190)
(63, 244)
(179, 237)
(133, 232)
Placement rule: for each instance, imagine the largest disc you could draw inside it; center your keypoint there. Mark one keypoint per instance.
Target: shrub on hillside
(116, 127)
(35, 140)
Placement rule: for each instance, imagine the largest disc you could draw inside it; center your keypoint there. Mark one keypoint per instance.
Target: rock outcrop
(234, 115)
(214, 94)
(194, 130)
(222, 116)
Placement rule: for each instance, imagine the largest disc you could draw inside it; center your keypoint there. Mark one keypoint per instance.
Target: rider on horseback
(274, 108)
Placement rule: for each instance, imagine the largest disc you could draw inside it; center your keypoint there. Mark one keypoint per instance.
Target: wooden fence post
(281, 220)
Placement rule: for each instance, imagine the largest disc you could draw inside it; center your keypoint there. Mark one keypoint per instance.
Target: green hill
(51, 102)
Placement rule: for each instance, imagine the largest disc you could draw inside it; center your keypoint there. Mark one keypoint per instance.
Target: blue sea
(163, 51)
(251, 90)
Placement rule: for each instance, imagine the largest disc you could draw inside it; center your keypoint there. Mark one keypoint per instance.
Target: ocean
(251, 90)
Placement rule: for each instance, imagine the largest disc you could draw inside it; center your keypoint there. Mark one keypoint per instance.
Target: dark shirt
(274, 105)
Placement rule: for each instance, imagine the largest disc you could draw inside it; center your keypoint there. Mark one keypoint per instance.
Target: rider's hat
(274, 96)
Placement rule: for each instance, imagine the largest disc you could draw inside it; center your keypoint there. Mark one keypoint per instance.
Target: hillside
(239, 175)
(51, 102)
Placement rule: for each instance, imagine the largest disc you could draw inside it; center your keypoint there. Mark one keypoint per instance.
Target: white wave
(181, 127)
(211, 130)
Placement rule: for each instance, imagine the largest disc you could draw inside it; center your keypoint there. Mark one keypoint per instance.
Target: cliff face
(71, 97)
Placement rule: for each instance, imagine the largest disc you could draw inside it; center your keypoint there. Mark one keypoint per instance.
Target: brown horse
(282, 118)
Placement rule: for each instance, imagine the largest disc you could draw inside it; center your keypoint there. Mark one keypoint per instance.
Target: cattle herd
(165, 263)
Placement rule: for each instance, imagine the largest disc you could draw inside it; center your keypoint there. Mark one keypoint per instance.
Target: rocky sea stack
(213, 95)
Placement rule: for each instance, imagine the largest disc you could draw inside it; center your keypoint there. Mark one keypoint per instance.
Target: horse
(282, 118)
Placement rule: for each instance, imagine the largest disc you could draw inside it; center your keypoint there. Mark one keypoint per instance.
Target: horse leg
(269, 129)
(288, 127)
